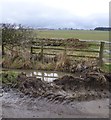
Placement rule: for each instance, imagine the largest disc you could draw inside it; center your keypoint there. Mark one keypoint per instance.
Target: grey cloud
(39, 15)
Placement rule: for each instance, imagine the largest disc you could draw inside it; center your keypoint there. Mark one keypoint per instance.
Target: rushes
(63, 62)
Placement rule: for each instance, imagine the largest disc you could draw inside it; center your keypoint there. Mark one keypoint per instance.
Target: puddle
(48, 76)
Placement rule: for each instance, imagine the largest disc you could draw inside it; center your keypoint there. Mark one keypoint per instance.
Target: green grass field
(80, 34)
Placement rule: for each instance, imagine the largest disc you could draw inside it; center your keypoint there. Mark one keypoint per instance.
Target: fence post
(42, 48)
(65, 47)
(101, 53)
(31, 50)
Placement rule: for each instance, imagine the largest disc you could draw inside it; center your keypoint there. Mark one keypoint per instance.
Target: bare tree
(16, 35)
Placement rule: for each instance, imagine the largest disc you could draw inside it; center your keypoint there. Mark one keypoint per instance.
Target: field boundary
(43, 45)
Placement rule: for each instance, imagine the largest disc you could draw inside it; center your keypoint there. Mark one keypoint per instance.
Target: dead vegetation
(21, 58)
(16, 58)
(63, 62)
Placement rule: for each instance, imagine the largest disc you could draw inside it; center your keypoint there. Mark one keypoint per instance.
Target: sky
(81, 14)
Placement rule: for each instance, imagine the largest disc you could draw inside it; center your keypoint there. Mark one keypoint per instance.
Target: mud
(16, 105)
(85, 96)
(65, 89)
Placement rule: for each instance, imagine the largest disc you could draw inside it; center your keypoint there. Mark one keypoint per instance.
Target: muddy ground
(66, 97)
(67, 88)
(16, 105)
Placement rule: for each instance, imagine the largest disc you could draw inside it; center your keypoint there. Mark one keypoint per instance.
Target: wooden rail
(55, 48)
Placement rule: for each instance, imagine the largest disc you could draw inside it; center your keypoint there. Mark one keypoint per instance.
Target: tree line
(103, 28)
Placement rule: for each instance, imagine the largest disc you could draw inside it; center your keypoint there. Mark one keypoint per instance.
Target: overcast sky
(56, 13)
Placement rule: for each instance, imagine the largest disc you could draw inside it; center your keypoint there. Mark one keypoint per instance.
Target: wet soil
(67, 88)
(16, 105)
(66, 97)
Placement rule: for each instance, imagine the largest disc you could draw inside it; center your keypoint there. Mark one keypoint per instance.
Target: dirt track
(15, 105)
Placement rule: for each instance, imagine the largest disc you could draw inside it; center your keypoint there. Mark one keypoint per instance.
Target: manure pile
(67, 88)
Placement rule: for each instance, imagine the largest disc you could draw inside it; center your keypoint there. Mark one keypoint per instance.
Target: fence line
(63, 45)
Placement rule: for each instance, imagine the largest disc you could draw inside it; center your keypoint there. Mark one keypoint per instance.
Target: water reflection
(46, 76)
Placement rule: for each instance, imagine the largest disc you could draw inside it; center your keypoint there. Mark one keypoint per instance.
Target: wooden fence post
(65, 47)
(101, 53)
(42, 48)
(31, 50)
(3, 50)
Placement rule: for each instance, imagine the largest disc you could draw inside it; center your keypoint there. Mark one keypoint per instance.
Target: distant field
(80, 34)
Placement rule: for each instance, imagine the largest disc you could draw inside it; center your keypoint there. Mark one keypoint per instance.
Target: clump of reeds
(17, 59)
(44, 66)
(63, 62)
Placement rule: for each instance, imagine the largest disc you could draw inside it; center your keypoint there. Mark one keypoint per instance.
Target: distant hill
(103, 28)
